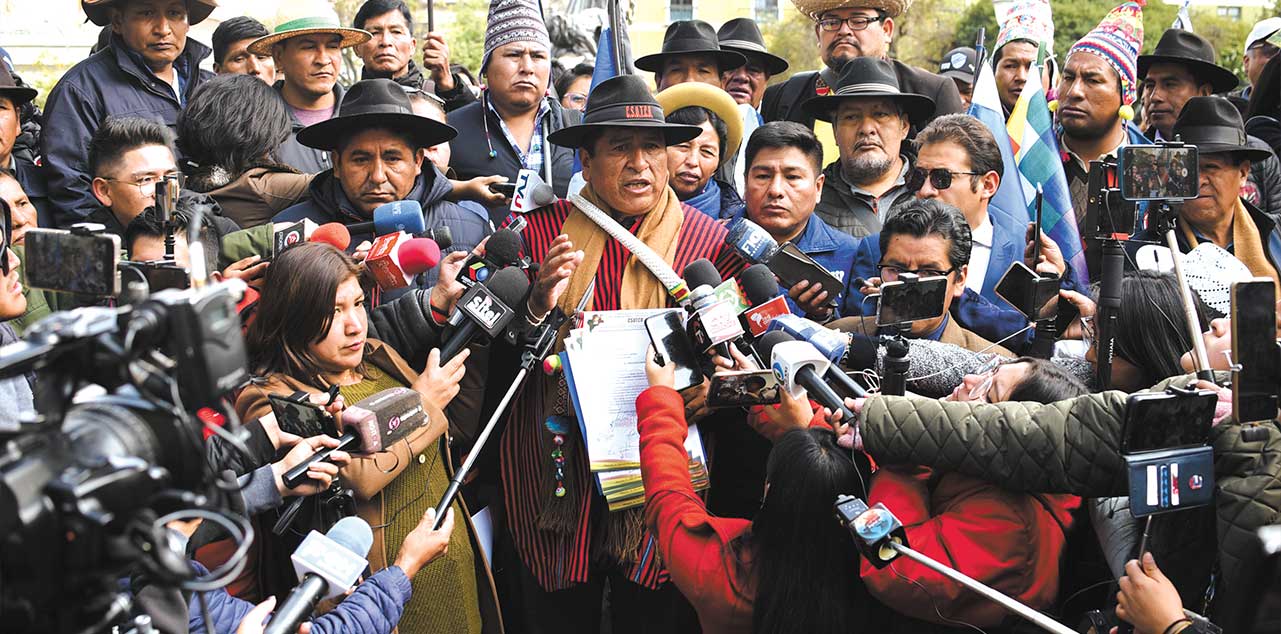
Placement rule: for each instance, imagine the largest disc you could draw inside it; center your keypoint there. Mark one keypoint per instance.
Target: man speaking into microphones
(784, 183)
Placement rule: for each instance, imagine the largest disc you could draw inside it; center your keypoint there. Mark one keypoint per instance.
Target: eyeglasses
(856, 23)
(980, 391)
(891, 273)
(146, 184)
(576, 98)
(1088, 332)
(940, 178)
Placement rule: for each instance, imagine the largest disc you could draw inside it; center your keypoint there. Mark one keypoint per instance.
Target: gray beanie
(514, 21)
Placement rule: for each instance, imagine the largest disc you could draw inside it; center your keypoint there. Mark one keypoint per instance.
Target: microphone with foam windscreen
(326, 565)
(713, 322)
(799, 366)
(485, 308)
(369, 426)
(332, 233)
(762, 294)
(396, 259)
(531, 192)
(750, 241)
(501, 250)
(398, 215)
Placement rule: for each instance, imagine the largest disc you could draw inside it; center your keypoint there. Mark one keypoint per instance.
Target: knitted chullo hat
(514, 21)
(1117, 40)
(1029, 20)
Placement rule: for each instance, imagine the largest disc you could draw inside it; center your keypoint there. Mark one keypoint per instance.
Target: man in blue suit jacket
(958, 162)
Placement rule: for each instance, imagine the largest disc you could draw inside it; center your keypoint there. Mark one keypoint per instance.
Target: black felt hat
(743, 36)
(869, 77)
(375, 103)
(690, 37)
(98, 11)
(1189, 49)
(623, 102)
(10, 88)
(1213, 125)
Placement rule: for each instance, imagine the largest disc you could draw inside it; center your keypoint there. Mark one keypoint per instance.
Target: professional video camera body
(88, 486)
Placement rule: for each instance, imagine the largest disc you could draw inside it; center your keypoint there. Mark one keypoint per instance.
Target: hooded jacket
(111, 83)
(327, 202)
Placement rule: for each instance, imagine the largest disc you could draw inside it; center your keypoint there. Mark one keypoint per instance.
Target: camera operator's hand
(250, 270)
(447, 291)
(439, 384)
(1084, 305)
(1147, 598)
(811, 300)
(255, 619)
(1051, 259)
(477, 189)
(553, 276)
(422, 545)
(664, 375)
(319, 476)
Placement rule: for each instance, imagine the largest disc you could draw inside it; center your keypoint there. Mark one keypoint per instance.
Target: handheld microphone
(501, 250)
(486, 308)
(750, 241)
(713, 322)
(369, 426)
(396, 259)
(829, 343)
(296, 233)
(398, 215)
(761, 291)
(531, 192)
(874, 529)
(326, 565)
(331, 233)
(799, 367)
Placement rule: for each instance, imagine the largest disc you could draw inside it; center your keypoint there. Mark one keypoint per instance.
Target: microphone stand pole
(1040, 620)
(535, 350)
(896, 364)
(1166, 218)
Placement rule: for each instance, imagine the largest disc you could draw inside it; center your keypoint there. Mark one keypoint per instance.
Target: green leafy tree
(793, 39)
(925, 33)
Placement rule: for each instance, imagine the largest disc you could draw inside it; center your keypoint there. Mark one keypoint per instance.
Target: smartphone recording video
(83, 261)
(667, 334)
(1031, 294)
(906, 301)
(1157, 172)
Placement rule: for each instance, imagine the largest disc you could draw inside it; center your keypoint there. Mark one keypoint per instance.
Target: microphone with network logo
(326, 565)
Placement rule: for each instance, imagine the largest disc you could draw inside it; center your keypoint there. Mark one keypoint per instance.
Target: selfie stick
(535, 350)
(1166, 223)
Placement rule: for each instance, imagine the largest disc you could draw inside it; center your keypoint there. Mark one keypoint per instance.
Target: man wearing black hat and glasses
(1219, 214)
(1183, 66)
(379, 146)
(870, 119)
(690, 52)
(568, 542)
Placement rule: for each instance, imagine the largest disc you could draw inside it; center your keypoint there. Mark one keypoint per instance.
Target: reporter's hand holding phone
(481, 189)
(812, 299)
(664, 375)
(1147, 599)
(775, 420)
(250, 270)
(1084, 305)
(870, 286)
(1050, 261)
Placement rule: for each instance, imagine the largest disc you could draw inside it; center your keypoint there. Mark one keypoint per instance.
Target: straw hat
(713, 99)
(99, 11)
(304, 18)
(815, 8)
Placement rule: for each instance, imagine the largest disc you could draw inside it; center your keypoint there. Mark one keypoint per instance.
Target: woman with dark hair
(692, 166)
(229, 132)
(1263, 114)
(310, 335)
(572, 86)
(790, 569)
(16, 398)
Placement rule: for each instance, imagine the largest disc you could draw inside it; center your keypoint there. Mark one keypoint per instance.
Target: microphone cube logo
(477, 272)
(393, 423)
(780, 373)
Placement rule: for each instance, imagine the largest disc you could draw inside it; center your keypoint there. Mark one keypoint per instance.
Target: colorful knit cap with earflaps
(1117, 40)
(514, 21)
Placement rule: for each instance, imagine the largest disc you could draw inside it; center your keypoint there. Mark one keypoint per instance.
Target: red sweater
(1007, 540)
(693, 544)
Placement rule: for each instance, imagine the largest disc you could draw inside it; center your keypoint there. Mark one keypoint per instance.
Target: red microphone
(333, 233)
(396, 259)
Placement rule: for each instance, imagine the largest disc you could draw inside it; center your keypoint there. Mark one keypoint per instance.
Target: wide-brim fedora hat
(690, 37)
(1186, 48)
(304, 18)
(1214, 126)
(816, 8)
(622, 102)
(370, 104)
(742, 35)
(99, 11)
(9, 87)
(715, 100)
(864, 77)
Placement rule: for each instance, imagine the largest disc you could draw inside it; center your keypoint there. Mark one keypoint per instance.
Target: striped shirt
(559, 560)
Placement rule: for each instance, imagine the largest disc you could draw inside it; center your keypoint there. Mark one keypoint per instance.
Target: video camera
(88, 486)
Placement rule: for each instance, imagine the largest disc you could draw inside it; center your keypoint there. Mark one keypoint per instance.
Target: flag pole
(980, 56)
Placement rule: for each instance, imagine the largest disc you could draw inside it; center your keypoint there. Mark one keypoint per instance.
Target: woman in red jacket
(792, 568)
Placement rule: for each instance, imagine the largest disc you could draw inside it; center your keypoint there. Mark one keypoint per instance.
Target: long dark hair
(804, 563)
(296, 310)
(231, 124)
(1151, 333)
(1046, 382)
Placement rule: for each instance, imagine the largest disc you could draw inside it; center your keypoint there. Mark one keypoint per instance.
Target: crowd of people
(1002, 462)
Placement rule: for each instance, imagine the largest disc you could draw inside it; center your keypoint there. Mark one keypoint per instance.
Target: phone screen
(1254, 347)
(904, 302)
(1068, 312)
(1155, 172)
(304, 419)
(742, 389)
(60, 260)
(1156, 421)
(791, 265)
(667, 333)
(1034, 296)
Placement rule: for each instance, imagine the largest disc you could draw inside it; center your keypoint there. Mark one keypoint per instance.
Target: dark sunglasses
(7, 227)
(940, 178)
